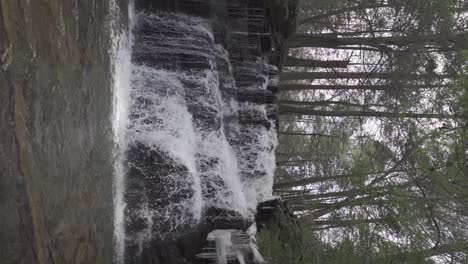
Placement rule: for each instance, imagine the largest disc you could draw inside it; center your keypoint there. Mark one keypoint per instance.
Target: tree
(373, 118)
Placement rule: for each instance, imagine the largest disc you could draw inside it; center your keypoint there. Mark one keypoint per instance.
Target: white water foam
(120, 54)
(161, 121)
(152, 107)
(231, 245)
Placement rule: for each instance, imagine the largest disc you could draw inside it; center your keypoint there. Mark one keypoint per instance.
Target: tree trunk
(300, 199)
(341, 11)
(361, 32)
(351, 198)
(285, 76)
(364, 202)
(372, 194)
(285, 109)
(295, 162)
(326, 103)
(298, 62)
(303, 182)
(339, 194)
(302, 87)
(298, 163)
(303, 134)
(344, 223)
(333, 41)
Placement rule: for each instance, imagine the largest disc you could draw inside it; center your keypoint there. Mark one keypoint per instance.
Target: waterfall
(194, 122)
(224, 246)
(121, 72)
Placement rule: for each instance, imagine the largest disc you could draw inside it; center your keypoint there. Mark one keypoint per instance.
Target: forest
(373, 136)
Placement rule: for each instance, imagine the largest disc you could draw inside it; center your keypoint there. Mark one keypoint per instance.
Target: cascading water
(121, 67)
(196, 126)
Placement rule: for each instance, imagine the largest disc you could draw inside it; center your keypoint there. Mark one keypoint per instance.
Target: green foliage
(276, 251)
(367, 156)
(348, 251)
(344, 252)
(408, 175)
(434, 14)
(463, 87)
(283, 241)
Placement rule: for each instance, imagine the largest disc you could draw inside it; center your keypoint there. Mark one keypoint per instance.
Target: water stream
(194, 122)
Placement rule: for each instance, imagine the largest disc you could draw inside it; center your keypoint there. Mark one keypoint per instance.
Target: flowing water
(195, 125)
(121, 72)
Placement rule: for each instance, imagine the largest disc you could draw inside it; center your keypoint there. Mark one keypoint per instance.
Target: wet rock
(55, 132)
(212, 58)
(177, 251)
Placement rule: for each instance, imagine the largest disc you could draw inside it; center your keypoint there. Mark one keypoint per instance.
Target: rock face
(55, 132)
(201, 133)
(201, 137)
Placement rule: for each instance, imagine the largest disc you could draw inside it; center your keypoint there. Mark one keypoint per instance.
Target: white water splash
(159, 108)
(232, 245)
(120, 54)
(161, 121)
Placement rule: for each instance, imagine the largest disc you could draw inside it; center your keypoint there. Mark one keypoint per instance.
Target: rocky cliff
(55, 131)
(201, 139)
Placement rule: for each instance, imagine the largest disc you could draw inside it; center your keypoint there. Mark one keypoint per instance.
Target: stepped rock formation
(201, 133)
